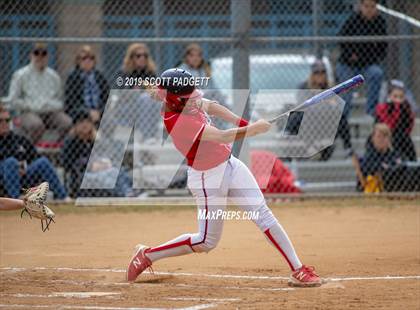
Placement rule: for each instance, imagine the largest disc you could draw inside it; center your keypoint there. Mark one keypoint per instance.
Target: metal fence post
(392, 58)
(316, 23)
(415, 66)
(241, 23)
(157, 25)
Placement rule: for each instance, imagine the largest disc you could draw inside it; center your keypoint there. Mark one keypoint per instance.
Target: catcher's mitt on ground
(34, 200)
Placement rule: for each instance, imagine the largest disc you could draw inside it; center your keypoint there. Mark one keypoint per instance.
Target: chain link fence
(66, 64)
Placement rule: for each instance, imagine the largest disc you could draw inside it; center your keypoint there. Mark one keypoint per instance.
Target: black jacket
(368, 53)
(374, 161)
(75, 158)
(17, 146)
(75, 154)
(74, 92)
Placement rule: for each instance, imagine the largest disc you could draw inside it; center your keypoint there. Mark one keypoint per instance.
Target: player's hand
(261, 126)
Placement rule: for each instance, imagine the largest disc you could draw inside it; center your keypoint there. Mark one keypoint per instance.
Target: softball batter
(214, 176)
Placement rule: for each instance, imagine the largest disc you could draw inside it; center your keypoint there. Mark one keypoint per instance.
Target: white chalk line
(374, 278)
(82, 283)
(248, 288)
(202, 299)
(180, 285)
(228, 276)
(65, 295)
(64, 307)
(102, 294)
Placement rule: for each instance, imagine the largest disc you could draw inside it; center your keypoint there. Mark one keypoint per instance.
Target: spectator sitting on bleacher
(318, 79)
(379, 153)
(381, 168)
(86, 87)
(378, 157)
(136, 106)
(98, 172)
(397, 114)
(363, 57)
(20, 163)
(194, 62)
(316, 82)
(35, 92)
(137, 64)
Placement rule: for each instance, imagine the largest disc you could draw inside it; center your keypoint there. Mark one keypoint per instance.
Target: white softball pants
(229, 182)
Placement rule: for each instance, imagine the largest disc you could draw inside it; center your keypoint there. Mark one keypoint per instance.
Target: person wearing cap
(317, 81)
(318, 78)
(20, 163)
(396, 112)
(35, 93)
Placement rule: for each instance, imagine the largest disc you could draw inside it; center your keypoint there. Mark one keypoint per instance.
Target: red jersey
(186, 130)
(392, 115)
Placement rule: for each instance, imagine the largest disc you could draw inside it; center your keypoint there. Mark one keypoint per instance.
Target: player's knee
(265, 218)
(204, 247)
(43, 161)
(11, 162)
(208, 244)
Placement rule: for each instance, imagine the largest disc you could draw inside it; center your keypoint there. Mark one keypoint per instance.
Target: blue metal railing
(30, 25)
(26, 25)
(213, 26)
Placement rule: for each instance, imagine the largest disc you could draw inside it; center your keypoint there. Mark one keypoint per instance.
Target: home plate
(328, 285)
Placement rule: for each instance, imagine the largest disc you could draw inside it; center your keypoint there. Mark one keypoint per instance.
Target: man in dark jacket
(20, 163)
(363, 57)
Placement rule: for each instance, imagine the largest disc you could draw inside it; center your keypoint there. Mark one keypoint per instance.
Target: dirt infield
(80, 262)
